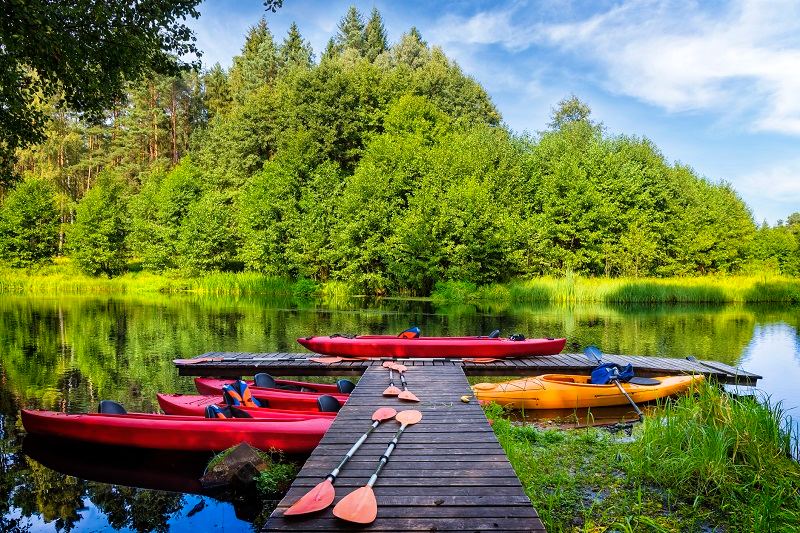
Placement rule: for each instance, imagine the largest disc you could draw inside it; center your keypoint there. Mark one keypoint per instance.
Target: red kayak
(188, 433)
(434, 347)
(193, 405)
(274, 398)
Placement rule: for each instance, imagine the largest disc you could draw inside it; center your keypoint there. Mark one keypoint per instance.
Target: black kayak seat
(110, 407)
(328, 404)
(215, 411)
(262, 379)
(345, 386)
(495, 334)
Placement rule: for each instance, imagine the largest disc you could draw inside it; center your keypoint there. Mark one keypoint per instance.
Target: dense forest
(385, 167)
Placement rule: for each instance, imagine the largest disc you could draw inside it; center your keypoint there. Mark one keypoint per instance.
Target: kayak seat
(262, 379)
(110, 407)
(328, 404)
(345, 386)
(495, 334)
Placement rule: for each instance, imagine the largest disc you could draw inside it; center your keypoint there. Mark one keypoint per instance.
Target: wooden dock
(448, 472)
(234, 364)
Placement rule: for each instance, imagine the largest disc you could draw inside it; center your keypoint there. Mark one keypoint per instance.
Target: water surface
(68, 353)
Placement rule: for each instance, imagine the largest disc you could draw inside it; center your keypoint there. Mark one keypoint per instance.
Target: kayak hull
(431, 347)
(166, 432)
(275, 398)
(194, 405)
(561, 391)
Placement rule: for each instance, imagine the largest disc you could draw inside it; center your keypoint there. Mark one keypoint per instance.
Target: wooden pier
(234, 364)
(448, 472)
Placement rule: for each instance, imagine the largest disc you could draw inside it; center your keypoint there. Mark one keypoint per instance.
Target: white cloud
(743, 59)
(773, 192)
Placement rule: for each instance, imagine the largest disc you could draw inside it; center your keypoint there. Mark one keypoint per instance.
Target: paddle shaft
(352, 451)
(623, 391)
(403, 381)
(391, 377)
(386, 454)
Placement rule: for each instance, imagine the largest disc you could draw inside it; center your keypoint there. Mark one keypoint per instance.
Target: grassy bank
(577, 289)
(700, 462)
(63, 278)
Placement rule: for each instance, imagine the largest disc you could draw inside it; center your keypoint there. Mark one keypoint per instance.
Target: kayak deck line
(448, 473)
(235, 364)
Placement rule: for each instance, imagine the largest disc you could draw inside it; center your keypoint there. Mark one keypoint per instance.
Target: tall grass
(576, 289)
(731, 454)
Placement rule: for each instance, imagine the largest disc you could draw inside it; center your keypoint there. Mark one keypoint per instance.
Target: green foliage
(206, 239)
(29, 224)
(97, 238)
(730, 454)
(387, 168)
(50, 50)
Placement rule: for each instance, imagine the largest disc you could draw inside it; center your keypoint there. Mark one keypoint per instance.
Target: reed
(571, 288)
(727, 453)
(699, 462)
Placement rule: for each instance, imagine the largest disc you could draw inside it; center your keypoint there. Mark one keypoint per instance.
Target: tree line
(383, 166)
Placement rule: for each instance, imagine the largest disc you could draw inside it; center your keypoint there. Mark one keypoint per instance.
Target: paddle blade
(594, 354)
(400, 368)
(391, 390)
(408, 395)
(388, 364)
(409, 417)
(359, 506)
(383, 414)
(314, 500)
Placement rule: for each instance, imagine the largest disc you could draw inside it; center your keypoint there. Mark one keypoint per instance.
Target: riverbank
(697, 463)
(62, 277)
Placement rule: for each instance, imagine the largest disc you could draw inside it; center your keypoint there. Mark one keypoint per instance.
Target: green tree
(217, 98)
(375, 35)
(350, 33)
(295, 51)
(257, 65)
(206, 240)
(567, 111)
(29, 224)
(82, 53)
(97, 238)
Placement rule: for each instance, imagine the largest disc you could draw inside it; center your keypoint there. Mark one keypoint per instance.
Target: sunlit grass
(700, 461)
(577, 289)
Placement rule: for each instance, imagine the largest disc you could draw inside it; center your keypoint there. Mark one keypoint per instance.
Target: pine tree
(375, 35)
(295, 51)
(330, 50)
(217, 93)
(351, 32)
(258, 63)
(411, 50)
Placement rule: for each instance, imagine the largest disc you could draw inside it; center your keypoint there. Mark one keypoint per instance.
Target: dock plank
(448, 472)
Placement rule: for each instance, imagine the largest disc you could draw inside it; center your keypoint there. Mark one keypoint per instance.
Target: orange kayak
(561, 391)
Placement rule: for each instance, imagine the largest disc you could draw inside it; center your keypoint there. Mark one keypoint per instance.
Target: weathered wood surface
(233, 364)
(448, 472)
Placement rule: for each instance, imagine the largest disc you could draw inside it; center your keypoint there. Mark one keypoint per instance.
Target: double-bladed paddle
(360, 505)
(593, 352)
(406, 394)
(323, 494)
(391, 390)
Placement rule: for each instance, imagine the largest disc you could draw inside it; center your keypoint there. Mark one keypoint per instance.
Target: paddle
(360, 505)
(323, 494)
(406, 394)
(593, 352)
(391, 390)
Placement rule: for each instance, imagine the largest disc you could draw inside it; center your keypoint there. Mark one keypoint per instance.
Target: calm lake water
(67, 353)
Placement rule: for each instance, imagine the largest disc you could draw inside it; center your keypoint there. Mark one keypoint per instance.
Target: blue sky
(716, 85)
